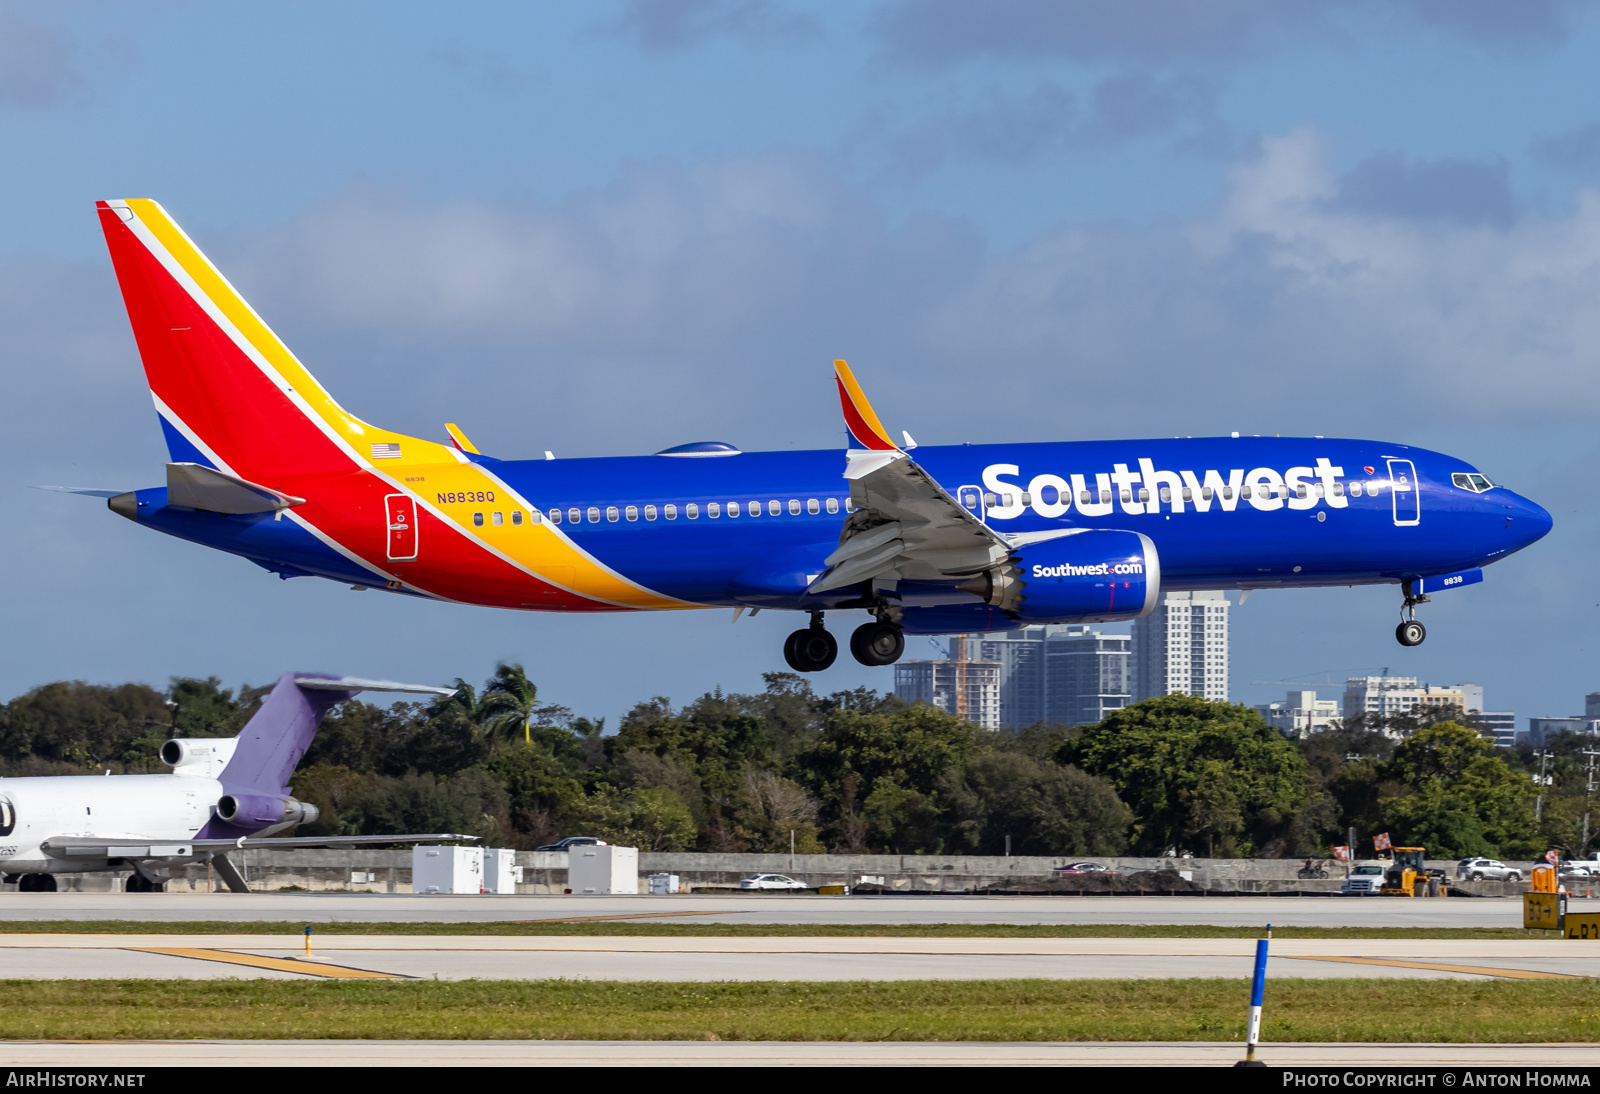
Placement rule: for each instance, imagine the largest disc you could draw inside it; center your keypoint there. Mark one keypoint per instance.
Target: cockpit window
(1476, 483)
(1482, 483)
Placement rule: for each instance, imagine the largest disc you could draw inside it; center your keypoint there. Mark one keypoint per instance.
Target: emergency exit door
(971, 498)
(400, 512)
(1403, 488)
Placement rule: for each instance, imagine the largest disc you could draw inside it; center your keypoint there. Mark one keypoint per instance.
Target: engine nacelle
(264, 811)
(1094, 576)
(201, 757)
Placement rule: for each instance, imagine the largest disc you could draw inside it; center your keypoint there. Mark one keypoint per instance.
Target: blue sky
(607, 228)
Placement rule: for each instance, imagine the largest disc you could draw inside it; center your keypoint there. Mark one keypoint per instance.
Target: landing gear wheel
(36, 883)
(877, 644)
(138, 883)
(810, 650)
(1411, 633)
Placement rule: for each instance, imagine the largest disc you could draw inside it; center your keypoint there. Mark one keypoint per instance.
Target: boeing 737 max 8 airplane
(939, 540)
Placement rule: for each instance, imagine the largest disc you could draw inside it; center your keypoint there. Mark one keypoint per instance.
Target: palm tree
(509, 699)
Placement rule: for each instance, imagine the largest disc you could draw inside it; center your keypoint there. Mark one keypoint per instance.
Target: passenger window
(477, 519)
(1027, 498)
(714, 509)
(1166, 493)
(536, 517)
(1127, 496)
(649, 512)
(632, 512)
(1300, 491)
(499, 519)
(1144, 494)
(1338, 489)
(833, 505)
(774, 508)
(574, 515)
(670, 511)
(1244, 492)
(754, 508)
(990, 500)
(1355, 489)
(555, 516)
(516, 518)
(594, 515)
(611, 513)
(1321, 492)
(849, 506)
(1084, 498)
(794, 507)
(812, 507)
(1188, 494)
(692, 511)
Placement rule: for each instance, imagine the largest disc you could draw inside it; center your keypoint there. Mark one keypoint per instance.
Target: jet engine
(1092, 576)
(264, 811)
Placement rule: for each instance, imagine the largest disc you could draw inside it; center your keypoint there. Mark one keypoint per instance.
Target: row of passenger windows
(691, 511)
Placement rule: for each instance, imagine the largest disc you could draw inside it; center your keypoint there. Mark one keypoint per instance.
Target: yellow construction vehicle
(1408, 875)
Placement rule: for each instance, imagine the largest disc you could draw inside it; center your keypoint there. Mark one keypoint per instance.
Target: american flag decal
(386, 452)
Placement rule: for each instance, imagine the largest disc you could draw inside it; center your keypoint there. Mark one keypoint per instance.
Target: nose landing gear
(1410, 632)
(812, 649)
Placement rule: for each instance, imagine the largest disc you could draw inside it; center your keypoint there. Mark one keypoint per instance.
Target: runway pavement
(131, 1056)
(177, 957)
(768, 909)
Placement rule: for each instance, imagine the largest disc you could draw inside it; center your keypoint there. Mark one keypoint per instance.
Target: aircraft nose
(1526, 521)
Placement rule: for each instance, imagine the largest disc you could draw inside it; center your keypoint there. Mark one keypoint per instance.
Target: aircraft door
(400, 516)
(1407, 496)
(971, 499)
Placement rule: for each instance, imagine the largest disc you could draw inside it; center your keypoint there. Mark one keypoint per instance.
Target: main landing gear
(813, 649)
(1410, 632)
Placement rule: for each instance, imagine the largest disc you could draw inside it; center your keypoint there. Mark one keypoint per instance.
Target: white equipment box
(662, 884)
(447, 870)
(500, 870)
(593, 870)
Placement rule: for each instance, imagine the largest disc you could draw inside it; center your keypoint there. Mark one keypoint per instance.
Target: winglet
(459, 439)
(858, 413)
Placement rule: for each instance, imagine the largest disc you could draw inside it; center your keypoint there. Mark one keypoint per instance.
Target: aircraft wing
(91, 847)
(905, 526)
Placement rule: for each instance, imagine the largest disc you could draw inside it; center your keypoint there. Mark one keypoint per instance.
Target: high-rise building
(1301, 714)
(944, 683)
(1068, 674)
(1182, 647)
(1384, 696)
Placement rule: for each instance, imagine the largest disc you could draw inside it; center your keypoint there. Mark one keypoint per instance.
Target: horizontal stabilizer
(88, 490)
(353, 683)
(199, 487)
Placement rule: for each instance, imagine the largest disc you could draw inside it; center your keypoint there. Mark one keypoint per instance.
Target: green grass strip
(925, 1010)
(681, 929)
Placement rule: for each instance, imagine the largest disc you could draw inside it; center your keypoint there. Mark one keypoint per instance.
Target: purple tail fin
(272, 742)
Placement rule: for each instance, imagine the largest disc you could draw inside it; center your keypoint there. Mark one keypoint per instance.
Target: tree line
(852, 772)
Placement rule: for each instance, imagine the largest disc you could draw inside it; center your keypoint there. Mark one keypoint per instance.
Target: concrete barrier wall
(384, 870)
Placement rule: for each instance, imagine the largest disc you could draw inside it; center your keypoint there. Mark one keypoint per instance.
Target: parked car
(771, 881)
(1072, 868)
(1365, 879)
(1486, 869)
(574, 841)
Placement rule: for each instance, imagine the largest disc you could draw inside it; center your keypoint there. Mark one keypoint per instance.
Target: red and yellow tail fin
(859, 416)
(229, 392)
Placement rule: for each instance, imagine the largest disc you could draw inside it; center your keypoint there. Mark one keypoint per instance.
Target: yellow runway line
(1480, 970)
(277, 964)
